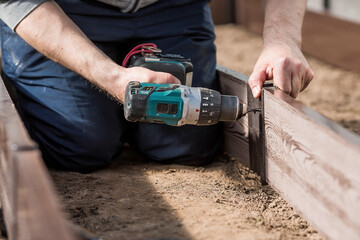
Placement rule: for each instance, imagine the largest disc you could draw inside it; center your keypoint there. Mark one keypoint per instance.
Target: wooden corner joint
(257, 133)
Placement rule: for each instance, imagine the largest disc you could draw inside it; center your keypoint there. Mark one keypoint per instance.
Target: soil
(138, 199)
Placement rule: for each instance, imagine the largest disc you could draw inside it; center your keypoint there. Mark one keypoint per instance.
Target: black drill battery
(175, 64)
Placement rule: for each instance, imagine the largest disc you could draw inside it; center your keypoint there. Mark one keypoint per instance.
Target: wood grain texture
(310, 160)
(256, 135)
(13, 136)
(38, 212)
(314, 164)
(29, 203)
(7, 184)
(236, 134)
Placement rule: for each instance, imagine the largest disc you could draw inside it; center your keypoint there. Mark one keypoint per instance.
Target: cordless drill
(174, 104)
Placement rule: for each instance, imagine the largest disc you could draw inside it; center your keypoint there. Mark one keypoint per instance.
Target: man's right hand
(139, 74)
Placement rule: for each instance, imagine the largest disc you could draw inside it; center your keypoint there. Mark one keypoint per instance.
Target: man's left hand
(286, 65)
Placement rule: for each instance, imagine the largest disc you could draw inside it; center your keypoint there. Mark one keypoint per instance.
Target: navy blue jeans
(80, 128)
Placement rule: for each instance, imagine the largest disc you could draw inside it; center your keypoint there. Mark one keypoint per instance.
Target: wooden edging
(244, 138)
(30, 207)
(310, 160)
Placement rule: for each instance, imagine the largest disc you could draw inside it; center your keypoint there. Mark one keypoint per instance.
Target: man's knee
(77, 144)
(188, 145)
(85, 154)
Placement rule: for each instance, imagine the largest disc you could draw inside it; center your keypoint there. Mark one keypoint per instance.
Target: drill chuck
(216, 107)
(231, 108)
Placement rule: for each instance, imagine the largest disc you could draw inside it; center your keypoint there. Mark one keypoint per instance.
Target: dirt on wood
(138, 199)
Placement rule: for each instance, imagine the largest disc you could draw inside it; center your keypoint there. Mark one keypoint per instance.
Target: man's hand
(281, 58)
(286, 65)
(139, 74)
(51, 32)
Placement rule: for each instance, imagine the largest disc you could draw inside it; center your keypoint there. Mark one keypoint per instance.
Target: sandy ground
(137, 199)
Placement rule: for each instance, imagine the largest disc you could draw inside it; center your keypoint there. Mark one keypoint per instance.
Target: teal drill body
(162, 106)
(177, 105)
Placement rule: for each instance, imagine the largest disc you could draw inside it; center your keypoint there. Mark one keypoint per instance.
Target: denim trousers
(80, 128)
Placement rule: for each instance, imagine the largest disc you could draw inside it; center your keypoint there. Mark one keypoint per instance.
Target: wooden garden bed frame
(308, 159)
(311, 161)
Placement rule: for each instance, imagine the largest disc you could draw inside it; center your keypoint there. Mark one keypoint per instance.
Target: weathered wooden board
(7, 183)
(250, 13)
(310, 160)
(333, 40)
(314, 164)
(29, 203)
(222, 11)
(256, 135)
(236, 135)
(244, 138)
(12, 134)
(38, 212)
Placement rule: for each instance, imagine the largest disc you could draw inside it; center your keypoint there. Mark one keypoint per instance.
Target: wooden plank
(256, 135)
(7, 184)
(12, 134)
(250, 13)
(236, 142)
(222, 11)
(244, 138)
(38, 213)
(241, 15)
(309, 160)
(29, 203)
(333, 40)
(314, 164)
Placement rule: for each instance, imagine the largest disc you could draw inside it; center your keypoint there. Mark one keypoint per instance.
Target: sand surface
(137, 199)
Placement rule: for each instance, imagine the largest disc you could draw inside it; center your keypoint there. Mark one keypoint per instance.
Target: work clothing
(13, 11)
(79, 127)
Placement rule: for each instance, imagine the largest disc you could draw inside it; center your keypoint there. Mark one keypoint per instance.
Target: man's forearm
(281, 58)
(283, 21)
(53, 34)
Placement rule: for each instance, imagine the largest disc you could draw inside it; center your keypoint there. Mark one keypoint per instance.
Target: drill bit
(244, 109)
(253, 110)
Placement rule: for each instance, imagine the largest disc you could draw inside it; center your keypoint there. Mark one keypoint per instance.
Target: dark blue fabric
(80, 128)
